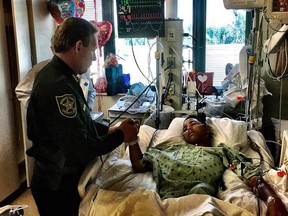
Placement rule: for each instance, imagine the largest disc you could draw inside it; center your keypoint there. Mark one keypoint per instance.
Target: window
(91, 12)
(222, 46)
(184, 5)
(225, 37)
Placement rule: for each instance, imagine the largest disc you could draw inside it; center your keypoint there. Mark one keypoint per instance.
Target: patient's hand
(267, 194)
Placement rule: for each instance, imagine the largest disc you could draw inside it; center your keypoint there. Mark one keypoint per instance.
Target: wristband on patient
(133, 142)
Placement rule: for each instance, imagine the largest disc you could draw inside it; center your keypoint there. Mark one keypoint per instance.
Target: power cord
(136, 99)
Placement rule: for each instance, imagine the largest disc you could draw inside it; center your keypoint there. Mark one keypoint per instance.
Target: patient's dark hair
(201, 117)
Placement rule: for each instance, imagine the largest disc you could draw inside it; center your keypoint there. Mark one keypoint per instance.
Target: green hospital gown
(182, 169)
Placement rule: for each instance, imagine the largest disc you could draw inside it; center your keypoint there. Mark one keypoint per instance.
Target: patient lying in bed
(119, 190)
(181, 168)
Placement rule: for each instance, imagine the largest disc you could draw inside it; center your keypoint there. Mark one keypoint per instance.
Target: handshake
(130, 128)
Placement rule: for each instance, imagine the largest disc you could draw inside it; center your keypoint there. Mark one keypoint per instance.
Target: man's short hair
(70, 31)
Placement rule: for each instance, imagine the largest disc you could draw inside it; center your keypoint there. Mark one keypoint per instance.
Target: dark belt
(66, 169)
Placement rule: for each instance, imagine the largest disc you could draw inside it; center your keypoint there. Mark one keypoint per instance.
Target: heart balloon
(105, 31)
(62, 9)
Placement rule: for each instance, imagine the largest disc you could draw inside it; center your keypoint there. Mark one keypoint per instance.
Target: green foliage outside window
(231, 34)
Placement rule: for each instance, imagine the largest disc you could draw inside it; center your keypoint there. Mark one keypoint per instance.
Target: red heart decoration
(105, 31)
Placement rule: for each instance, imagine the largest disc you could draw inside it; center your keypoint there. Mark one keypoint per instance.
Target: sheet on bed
(147, 202)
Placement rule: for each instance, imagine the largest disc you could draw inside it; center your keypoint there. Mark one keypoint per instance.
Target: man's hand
(130, 128)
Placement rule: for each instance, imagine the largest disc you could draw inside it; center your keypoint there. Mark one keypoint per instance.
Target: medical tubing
(207, 104)
(269, 72)
(261, 162)
(152, 138)
(166, 90)
(179, 58)
(280, 109)
(136, 61)
(128, 99)
(132, 103)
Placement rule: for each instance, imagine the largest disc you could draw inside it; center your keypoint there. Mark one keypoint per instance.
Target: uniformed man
(64, 136)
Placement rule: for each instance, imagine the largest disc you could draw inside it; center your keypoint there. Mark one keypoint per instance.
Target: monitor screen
(138, 19)
(277, 11)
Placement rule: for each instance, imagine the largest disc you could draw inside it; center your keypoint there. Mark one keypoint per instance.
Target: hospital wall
(25, 31)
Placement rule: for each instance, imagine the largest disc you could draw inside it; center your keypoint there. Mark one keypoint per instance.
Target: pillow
(279, 127)
(174, 132)
(228, 131)
(146, 133)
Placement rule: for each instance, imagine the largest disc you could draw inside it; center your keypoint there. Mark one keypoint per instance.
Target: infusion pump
(242, 4)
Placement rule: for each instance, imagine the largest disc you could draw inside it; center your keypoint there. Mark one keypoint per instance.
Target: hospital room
(144, 107)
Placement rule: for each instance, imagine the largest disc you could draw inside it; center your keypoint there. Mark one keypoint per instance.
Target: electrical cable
(180, 59)
(132, 103)
(280, 109)
(274, 142)
(149, 56)
(136, 62)
(152, 139)
(284, 74)
(269, 72)
(170, 79)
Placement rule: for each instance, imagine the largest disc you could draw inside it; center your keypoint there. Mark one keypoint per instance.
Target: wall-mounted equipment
(172, 49)
(277, 11)
(243, 4)
(140, 18)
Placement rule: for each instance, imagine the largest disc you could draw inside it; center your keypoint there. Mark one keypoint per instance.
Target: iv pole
(251, 61)
(171, 12)
(157, 108)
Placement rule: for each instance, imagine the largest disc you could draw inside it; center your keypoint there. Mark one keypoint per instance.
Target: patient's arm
(276, 206)
(136, 158)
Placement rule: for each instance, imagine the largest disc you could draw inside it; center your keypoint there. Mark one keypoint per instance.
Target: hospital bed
(109, 185)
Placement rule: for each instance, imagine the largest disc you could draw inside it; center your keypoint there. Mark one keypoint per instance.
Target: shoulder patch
(67, 105)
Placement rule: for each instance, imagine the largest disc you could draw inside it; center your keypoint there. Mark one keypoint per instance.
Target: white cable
(186, 70)
(125, 101)
(180, 59)
(149, 62)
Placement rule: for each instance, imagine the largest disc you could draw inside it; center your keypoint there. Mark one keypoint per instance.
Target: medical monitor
(242, 4)
(140, 19)
(277, 11)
